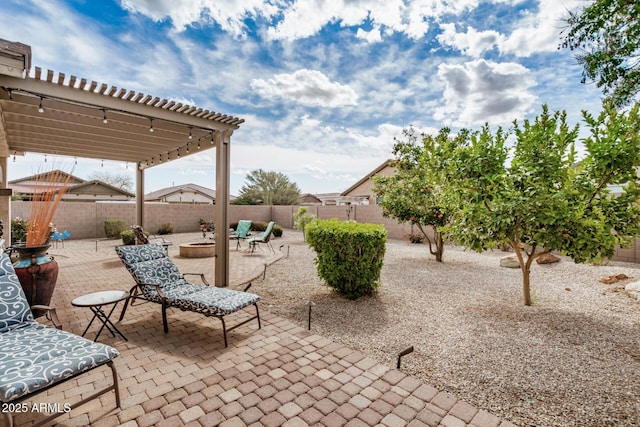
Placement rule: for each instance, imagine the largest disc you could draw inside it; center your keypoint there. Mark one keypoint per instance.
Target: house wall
(85, 220)
(366, 188)
(187, 197)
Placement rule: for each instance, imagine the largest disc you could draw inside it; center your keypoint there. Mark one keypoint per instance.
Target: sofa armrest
(50, 314)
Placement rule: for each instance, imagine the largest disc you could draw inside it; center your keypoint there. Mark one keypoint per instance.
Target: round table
(95, 301)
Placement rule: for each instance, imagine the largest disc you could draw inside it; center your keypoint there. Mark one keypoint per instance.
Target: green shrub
(277, 231)
(128, 237)
(113, 227)
(165, 229)
(301, 219)
(19, 229)
(350, 255)
(258, 226)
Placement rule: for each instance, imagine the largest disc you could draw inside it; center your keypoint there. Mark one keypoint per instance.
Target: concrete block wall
(85, 220)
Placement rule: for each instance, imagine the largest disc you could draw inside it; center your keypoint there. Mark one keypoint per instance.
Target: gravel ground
(572, 359)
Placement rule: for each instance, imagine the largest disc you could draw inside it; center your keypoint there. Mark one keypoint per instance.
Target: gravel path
(572, 359)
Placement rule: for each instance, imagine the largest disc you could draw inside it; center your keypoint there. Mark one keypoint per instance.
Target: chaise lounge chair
(35, 357)
(265, 238)
(242, 231)
(158, 280)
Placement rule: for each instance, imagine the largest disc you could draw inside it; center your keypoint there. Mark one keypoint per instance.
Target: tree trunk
(525, 267)
(438, 242)
(526, 288)
(439, 246)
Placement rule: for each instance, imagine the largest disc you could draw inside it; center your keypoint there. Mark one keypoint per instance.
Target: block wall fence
(85, 220)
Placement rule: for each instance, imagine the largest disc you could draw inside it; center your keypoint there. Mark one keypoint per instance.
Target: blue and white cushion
(149, 264)
(34, 356)
(14, 307)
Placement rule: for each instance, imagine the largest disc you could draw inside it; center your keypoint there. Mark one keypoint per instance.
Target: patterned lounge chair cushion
(213, 301)
(150, 264)
(14, 308)
(33, 356)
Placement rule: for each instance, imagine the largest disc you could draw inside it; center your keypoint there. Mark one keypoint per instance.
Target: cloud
(483, 91)
(538, 31)
(372, 36)
(229, 14)
(472, 43)
(302, 18)
(306, 87)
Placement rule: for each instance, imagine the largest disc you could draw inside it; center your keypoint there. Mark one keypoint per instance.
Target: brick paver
(278, 375)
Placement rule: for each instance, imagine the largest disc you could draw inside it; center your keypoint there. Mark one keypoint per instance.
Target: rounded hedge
(350, 255)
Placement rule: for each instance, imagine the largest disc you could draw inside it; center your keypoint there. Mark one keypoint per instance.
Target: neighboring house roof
(169, 191)
(309, 198)
(38, 183)
(366, 178)
(97, 187)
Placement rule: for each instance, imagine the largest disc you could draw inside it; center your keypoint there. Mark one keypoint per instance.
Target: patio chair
(142, 239)
(36, 357)
(158, 280)
(265, 238)
(242, 232)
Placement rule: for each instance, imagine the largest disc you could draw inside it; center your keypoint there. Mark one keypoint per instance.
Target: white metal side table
(95, 301)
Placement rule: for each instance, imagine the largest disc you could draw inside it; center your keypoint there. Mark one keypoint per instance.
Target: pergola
(49, 113)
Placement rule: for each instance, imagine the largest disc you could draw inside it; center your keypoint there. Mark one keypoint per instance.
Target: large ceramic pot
(38, 274)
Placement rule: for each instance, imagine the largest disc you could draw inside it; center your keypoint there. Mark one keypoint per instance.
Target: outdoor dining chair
(242, 232)
(265, 238)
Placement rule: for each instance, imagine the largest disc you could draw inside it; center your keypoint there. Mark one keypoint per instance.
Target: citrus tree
(538, 197)
(605, 34)
(414, 193)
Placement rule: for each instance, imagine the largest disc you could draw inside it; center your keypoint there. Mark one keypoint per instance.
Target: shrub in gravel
(128, 237)
(113, 227)
(350, 255)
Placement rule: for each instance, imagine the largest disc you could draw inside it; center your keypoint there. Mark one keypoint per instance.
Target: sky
(324, 86)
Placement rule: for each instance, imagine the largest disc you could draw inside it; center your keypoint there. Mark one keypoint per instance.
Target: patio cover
(49, 113)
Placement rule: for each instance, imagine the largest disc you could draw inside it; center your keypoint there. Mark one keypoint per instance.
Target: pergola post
(5, 201)
(222, 140)
(140, 196)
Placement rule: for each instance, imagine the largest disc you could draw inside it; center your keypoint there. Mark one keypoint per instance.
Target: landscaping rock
(633, 289)
(509, 262)
(609, 280)
(547, 259)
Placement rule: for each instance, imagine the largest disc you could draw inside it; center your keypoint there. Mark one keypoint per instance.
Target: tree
(118, 180)
(607, 36)
(414, 193)
(302, 219)
(268, 188)
(544, 199)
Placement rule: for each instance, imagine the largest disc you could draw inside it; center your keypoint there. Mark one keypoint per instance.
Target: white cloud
(483, 91)
(303, 18)
(229, 14)
(472, 43)
(538, 32)
(306, 87)
(372, 36)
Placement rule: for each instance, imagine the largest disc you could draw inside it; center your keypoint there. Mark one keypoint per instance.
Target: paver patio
(280, 375)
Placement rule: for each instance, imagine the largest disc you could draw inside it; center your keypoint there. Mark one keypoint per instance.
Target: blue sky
(324, 86)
